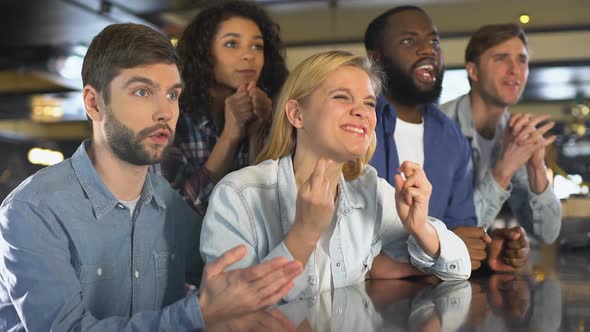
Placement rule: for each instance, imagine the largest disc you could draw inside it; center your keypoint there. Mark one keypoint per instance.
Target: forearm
(222, 158)
(427, 238)
(255, 144)
(385, 267)
(537, 178)
(488, 198)
(301, 243)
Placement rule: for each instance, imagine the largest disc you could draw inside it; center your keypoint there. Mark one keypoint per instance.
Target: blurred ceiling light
(46, 109)
(70, 67)
(524, 19)
(45, 157)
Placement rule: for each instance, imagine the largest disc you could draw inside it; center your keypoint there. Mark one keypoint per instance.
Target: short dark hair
(376, 29)
(194, 50)
(122, 46)
(489, 36)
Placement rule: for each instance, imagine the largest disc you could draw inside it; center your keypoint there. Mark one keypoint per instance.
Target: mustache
(146, 132)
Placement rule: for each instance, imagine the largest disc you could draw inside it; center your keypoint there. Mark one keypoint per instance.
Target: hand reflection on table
(268, 320)
(510, 296)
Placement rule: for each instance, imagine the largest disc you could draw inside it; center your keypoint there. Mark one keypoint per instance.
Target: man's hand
(509, 249)
(241, 291)
(476, 239)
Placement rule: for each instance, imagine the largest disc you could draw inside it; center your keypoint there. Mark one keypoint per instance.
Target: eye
(370, 103)
(141, 92)
(173, 95)
(342, 97)
(258, 47)
(408, 41)
(435, 42)
(230, 44)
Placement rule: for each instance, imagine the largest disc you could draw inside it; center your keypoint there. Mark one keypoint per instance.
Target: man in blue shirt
(96, 243)
(405, 42)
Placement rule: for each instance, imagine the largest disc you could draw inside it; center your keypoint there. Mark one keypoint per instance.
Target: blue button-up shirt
(539, 214)
(255, 206)
(446, 162)
(73, 258)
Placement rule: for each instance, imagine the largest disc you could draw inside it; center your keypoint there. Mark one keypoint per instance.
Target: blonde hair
(302, 82)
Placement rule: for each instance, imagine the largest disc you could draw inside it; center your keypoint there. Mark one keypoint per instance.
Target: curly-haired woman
(233, 65)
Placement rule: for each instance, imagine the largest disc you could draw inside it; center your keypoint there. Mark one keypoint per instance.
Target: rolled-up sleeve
(453, 263)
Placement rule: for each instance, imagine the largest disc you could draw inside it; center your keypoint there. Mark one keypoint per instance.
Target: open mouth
(425, 73)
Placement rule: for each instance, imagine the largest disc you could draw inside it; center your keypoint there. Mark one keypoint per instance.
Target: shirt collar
(100, 197)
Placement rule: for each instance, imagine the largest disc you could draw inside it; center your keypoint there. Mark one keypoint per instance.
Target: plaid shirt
(184, 166)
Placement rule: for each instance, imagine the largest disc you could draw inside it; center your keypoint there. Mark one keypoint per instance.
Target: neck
(411, 114)
(304, 163)
(486, 116)
(124, 180)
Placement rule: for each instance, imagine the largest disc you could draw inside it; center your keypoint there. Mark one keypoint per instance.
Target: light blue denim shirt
(539, 214)
(255, 206)
(73, 258)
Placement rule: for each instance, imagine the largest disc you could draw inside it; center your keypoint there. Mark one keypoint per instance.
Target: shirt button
(339, 311)
(311, 280)
(347, 210)
(136, 274)
(338, 264)
(453, 266)
(120, 206)
(99, 272)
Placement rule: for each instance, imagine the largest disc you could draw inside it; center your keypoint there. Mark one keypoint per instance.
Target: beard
(126, 145)
(400, 85)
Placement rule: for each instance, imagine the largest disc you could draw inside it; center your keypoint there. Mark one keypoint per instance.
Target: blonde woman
(314, 199)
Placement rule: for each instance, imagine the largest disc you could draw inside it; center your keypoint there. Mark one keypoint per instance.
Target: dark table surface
(552, 293)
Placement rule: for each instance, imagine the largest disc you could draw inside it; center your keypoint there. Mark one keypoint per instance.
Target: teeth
(355, 129)
(427, 67)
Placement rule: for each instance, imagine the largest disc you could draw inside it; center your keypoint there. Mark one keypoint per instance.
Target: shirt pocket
(169, 278)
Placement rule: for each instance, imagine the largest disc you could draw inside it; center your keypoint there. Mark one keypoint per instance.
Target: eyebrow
(237, 35)
(147, 81)
(414, 33)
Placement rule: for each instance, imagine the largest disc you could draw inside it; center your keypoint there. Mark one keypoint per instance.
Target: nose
(359, 111)
(427, 49)
(165, 111)
(514, 66)
(247, 55)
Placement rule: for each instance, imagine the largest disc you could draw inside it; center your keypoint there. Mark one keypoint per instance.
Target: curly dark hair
(194, 50)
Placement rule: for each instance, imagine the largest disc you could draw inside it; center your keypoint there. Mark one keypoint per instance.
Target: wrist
(501, 175)
(231, 137)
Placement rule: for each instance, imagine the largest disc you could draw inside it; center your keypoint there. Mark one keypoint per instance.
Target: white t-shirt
(409, 140)
(485, 154)
(130, 204)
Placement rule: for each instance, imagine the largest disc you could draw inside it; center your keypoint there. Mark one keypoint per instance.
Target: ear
(93, 103)
(293, 112)
(472, 71)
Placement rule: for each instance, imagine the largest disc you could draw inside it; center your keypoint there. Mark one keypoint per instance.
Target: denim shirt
(446, 162)
(73, 258)
(539, 214)
(255, 206)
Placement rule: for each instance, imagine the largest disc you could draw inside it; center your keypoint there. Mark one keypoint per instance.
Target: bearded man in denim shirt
(96, 243)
